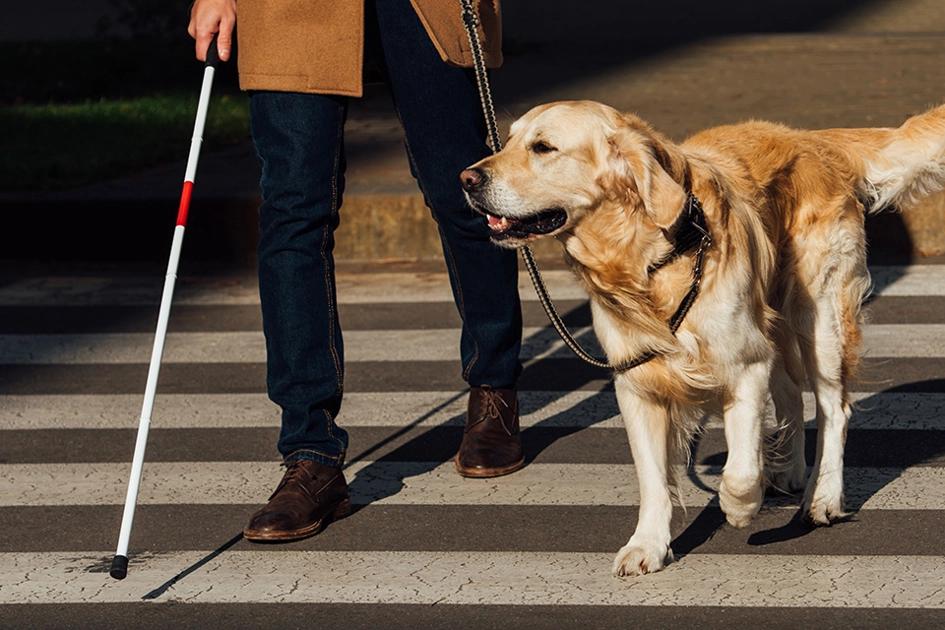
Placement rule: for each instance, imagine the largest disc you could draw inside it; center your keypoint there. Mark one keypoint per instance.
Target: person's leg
(440, 112)
(299, 139)
(439, 109)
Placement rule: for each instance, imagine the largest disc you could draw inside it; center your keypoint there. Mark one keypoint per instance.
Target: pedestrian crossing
(577, 409)
(422, 483)
(359, 288)
(535, 545)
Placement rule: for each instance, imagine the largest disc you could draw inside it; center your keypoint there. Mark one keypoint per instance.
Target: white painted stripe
(887, 340)
(359, 288)
(479, 578)
(909, 280)
(904, 340)
(423, 483)
(915, 411)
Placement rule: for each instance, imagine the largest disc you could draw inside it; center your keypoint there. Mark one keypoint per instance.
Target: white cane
(120, 562)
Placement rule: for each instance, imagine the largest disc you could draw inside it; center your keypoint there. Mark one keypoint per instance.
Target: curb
(375, 226)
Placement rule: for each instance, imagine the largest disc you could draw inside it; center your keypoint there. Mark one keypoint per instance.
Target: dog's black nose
(472, 178)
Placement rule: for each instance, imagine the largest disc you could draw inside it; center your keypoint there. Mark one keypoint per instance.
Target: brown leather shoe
(310, 496)
(492, 445)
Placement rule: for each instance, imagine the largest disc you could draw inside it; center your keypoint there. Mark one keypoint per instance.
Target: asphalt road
(426, 548)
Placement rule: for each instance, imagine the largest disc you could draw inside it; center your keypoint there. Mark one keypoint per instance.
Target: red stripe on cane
(184, 203)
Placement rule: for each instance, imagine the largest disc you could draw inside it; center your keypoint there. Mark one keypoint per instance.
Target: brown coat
(317, 46)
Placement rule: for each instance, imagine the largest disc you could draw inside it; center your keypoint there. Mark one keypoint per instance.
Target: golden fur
(779, 308)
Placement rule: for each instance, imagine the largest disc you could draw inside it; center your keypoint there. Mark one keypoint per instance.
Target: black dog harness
(689, 231)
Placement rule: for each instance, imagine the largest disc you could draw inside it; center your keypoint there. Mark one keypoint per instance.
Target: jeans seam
(331, 423)
(329, 283)
(339, 378)
(462, 303)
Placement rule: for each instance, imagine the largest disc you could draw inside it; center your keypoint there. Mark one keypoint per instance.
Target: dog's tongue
(497, 223)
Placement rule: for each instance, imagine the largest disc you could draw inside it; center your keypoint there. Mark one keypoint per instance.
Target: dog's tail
(902, 166)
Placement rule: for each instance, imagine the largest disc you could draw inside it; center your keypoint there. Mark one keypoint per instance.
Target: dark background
(100, 91)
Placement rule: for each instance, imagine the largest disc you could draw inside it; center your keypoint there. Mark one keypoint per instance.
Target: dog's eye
(542, 147)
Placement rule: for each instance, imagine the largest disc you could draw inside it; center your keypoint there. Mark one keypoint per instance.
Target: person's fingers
(207, 26)
(209, 18)
(192, 24)
(204, 37)
(225, 38)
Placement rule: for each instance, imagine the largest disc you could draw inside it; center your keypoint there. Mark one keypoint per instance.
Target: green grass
(54, 146)
(72, 113)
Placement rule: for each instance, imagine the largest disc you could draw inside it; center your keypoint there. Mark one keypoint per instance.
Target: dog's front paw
(641, 556)
(823, 503)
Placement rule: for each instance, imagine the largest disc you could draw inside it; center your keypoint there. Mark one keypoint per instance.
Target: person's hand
(209, 17)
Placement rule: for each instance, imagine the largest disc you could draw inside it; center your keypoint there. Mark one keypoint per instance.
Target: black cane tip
(119, 567)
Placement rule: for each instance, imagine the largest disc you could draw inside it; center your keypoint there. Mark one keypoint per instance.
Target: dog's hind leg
(742, 488)
(648, 428)
(823, 498)
(785, 465)
(831, 352)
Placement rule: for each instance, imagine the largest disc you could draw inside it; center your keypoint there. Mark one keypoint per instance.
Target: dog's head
(565, 160)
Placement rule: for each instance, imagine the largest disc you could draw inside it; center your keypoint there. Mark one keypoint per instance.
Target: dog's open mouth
(544, 222)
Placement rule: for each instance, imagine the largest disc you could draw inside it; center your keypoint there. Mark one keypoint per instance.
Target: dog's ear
(641, 163)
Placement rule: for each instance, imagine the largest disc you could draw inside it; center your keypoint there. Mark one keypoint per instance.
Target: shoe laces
(491, 400)
(294, 472)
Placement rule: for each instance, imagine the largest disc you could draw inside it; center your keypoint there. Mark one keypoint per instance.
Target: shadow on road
(380, 480)
(882, 473)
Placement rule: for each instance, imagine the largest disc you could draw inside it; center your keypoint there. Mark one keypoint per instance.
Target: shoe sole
(341, 510)
(487, 473)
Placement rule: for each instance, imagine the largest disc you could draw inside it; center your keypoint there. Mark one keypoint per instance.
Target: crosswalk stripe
(374, 316)
(423, 483)
(884, 340)
(360, 288)
(476, 578)
(543, 445)
(908, 280)
(412, 616)
(892, 374)
(598, 528)
(579, 409)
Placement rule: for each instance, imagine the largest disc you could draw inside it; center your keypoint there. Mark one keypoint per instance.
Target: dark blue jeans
(300, 141)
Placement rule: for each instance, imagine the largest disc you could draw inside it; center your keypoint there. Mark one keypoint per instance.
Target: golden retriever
(784, 278)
